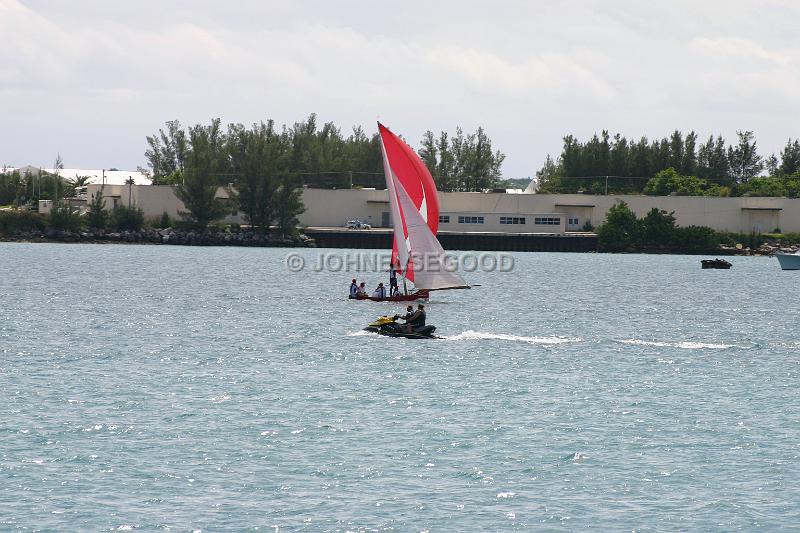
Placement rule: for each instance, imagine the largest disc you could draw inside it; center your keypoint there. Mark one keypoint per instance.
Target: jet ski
(388, 325)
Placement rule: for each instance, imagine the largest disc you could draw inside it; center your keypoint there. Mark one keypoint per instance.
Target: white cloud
(91, 78)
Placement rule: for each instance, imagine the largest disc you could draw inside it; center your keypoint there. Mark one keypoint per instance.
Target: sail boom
(450, 288)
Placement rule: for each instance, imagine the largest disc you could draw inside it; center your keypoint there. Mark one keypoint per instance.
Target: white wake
(471, 335)
(685, 345)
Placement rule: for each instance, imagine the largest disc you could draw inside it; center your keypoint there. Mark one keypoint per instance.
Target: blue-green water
(171, 388)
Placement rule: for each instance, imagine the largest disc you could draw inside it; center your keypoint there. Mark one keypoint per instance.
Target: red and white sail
(414, 205)
(402, 163)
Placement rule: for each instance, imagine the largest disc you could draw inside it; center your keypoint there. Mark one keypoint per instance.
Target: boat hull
(789, 261)
(419, 295)
(715, 263)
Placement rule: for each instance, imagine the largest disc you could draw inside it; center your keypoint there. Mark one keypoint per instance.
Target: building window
(444, 219)
(470, 220)
(512, 220)
(573, 221)
(547, 221)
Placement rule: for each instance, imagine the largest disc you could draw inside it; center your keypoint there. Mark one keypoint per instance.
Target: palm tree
(130, 183)
(78, 181)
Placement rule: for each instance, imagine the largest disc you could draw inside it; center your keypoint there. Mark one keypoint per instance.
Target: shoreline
(162, 237)
(246, 239)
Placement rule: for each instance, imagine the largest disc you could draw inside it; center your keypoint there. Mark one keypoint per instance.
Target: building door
(385, 219)
(573, 223)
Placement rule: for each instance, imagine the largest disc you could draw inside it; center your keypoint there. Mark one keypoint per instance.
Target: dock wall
(452, 240)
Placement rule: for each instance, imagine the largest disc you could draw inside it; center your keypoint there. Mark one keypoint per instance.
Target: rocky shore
(163, 236)
(767, 248)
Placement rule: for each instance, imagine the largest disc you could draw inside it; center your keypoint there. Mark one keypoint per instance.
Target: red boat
(417, 254)
(418, 295)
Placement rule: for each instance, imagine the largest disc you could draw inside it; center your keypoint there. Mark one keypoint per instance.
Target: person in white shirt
(354, 289)
(380, 292)
(362, 289)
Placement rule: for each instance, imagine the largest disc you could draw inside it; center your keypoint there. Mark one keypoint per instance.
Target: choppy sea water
(172, 388)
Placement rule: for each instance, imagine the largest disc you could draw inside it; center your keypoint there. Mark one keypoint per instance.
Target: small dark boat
(388, 326)
(715, 263)
(410, 297)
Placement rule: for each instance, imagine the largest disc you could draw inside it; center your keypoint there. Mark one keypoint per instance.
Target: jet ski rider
(416, 320)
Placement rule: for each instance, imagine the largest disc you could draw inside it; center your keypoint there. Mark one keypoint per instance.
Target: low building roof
(112, 177)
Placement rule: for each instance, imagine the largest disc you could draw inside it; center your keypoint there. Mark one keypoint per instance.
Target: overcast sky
(91, 78)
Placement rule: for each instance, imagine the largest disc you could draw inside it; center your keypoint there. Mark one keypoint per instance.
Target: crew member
(362, 289)
(417, 320)
(395, 291)
(354, 289)
(393, 281)
(379, 292)
(409, 313)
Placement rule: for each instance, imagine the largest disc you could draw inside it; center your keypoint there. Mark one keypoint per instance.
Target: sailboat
(417, 254)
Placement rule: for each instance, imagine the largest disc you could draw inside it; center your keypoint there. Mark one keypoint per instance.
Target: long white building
(554, 213)
(496, 212)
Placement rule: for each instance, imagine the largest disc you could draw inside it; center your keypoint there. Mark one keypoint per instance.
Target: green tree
(462, 162)
(428, 152)
(97, 216)
(743, 159)
(676, 149)
(288, 204)
(444, 172)
(257, 157)
(74, 183)
(790, 158)
(205, 161)
(620, 231)
(689, 160)
(12, 187)
(58, 181)
(763, 186)
(658, 228)
(64, 217)
(363, 160)
(166, 154)
(696, 239)
(13, 221)
(669, 181)
(772, 165)
(165, 221)
(548, 179)
(127, 218)
(712, 161)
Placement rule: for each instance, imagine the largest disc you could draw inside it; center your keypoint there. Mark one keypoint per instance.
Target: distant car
(357, 224)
